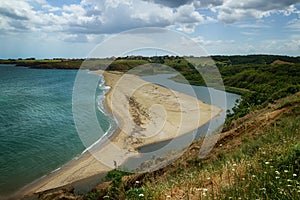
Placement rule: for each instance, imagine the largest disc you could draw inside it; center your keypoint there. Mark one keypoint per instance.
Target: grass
(259, 163)
(262, 167)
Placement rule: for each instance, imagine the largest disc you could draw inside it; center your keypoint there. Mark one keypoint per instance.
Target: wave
(55, 170)
(113, 123)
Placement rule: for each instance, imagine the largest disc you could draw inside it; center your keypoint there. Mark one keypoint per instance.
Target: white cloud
(231, 11)
(204, 42)
(96, 17)
(92, 20)
(294, 25)
(254, 25)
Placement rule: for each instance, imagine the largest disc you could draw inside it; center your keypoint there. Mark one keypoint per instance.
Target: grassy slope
(258, 158)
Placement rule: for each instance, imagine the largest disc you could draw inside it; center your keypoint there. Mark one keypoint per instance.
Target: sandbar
(147, 113)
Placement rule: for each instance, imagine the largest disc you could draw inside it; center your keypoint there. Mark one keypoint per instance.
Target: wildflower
(141, 195)
(277, 177)
(234, 165)
(221, 145)
(267, 163)
(286, 171)
(168, 196)
(294, 175)
(265, 172)
(253, 176)
(277, 172)
(208, 178)
(205, 189)
(271, 166)
(233, 169)
(137, 182)
(204, 194)
(289, 185)
(243, 179)
(289, 180)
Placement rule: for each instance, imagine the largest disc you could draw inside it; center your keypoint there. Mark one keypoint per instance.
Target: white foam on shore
(56, 170)
(102, 109)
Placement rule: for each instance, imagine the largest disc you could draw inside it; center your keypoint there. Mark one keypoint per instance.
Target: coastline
(132, 132)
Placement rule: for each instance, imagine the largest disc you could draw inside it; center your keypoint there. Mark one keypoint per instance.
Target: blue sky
(73, 28)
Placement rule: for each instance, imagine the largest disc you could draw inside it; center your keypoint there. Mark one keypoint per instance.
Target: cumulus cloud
(113, 16)
(208, 3)
(231, 11)
(197, 3)
(14, 14)
(171, 3)
(97, 17)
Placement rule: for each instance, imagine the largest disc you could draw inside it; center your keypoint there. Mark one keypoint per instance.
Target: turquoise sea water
(37, 131)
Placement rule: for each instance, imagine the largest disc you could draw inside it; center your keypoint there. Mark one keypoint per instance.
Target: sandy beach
(147, 114)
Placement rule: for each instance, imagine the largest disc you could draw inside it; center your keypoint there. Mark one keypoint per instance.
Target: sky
(73, 28)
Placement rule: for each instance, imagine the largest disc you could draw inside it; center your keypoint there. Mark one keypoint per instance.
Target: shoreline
(86, 165)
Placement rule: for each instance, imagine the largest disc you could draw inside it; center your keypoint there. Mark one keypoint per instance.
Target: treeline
(46, 63)
(254, 59)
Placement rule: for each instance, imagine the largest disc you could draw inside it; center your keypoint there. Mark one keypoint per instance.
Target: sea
(37, 128)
